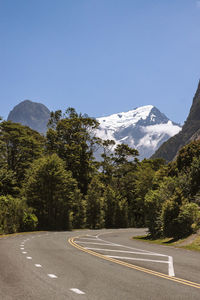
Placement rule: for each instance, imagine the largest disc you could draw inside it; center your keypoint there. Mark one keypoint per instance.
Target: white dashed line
(22, 248)
(24, 252)
(52, 276)
(29, 257)
(38, 266)
(77, 291)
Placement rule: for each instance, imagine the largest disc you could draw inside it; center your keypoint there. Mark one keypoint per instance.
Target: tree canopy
(54, 182)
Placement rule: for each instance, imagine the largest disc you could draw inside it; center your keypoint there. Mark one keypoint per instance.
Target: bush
(189, 218)
(11, 214)
(29, 221)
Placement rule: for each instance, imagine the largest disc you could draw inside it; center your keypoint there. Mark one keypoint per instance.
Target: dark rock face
(32, 114)
(190, 132)
(155, 117)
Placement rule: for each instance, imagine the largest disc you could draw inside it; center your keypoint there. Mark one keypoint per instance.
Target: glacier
(144, 128)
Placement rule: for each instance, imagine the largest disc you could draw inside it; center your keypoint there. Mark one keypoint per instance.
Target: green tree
(188, 219)
(95, 210)
(19, 146)
(146, 179)
(72, 137)
(50, 189)
(170, 213)
(186, 155)
(155, 200)
(110, 206)
(121, 213)
(8, 183)
(106, 164)
(78, 210)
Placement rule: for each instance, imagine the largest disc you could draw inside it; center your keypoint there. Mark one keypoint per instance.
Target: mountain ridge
(190, 132)
(144, 128)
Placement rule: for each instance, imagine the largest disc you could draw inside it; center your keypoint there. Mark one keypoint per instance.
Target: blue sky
(100, 56)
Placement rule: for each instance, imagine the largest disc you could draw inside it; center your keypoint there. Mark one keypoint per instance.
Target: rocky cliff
(190, 132)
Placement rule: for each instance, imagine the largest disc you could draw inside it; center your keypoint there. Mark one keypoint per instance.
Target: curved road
(100, 264)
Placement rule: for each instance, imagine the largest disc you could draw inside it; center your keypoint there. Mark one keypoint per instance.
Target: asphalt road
(100, 264)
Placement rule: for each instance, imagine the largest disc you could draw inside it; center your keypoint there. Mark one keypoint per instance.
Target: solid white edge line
(77, 291)
(170, 266)
(140, 259)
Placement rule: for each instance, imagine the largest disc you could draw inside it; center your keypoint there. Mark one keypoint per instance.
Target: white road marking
(29, 257)
(22, 248)
(96, 243)
(52, 276)
(170, 266)
(142, 252)
(137, 249)
(123, 251)
(89, 239)
(38, 266)
(77, 291)
(141, 259)
(91, 235)
(24, 252)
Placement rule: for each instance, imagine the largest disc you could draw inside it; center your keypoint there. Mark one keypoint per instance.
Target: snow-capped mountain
(144, 128)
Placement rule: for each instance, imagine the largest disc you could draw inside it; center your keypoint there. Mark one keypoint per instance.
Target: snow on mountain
(144, 128)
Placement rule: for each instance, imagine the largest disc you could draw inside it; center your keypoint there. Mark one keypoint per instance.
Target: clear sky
(100, 56)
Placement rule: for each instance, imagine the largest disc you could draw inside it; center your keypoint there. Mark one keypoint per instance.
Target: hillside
(190, 131)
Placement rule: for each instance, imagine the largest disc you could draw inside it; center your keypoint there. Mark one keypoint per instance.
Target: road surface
(95, 265)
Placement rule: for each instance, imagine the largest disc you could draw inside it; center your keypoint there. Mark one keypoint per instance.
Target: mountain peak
(32, 114)
(144, 128)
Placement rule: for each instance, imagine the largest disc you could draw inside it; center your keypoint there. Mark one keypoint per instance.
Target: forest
(54, 182)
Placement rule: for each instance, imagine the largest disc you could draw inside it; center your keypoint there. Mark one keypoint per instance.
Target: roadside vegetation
(194, 245)
(53, 182)
(186, 243)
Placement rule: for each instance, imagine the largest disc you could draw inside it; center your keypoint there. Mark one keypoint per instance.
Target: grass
(195, 245)
(163, 241)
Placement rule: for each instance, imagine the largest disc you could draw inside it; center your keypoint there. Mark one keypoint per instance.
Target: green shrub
(29, 221)
(11, 213)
